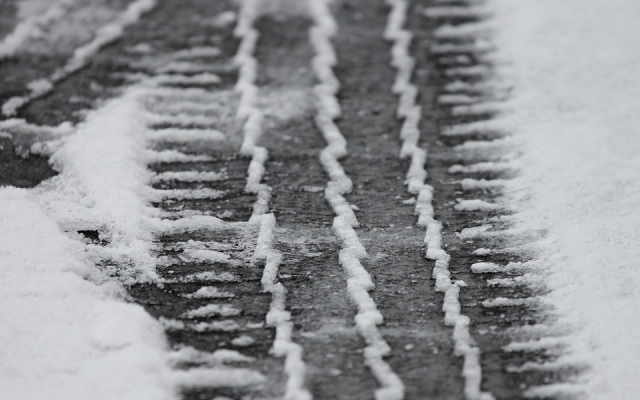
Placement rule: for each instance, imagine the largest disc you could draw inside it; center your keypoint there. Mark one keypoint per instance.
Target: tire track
(491, 256)
(81, 56)
(359, 281)
(220, 289)
(201, 282)
(411, 113)
(310, 268)
(277, 316)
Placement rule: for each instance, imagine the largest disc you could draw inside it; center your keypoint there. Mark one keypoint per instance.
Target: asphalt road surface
(447, 70)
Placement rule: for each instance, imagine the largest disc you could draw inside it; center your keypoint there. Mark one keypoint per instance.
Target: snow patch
(64, 327)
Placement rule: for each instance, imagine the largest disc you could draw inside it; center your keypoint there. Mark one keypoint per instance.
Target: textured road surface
(422, 352)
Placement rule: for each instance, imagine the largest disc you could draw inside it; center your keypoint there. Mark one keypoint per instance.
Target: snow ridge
(359, 282)
(81, 56)
(410, 134)
(247, 109)
(277, 316)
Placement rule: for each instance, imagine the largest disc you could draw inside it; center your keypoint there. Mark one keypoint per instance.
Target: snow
(215, 326)
(248, 109)
(463, 31)
(461, 48)
(193, 194)
(187, 67)
(492, 125)
(102, 180)
(489, 267)
(92, 343)
(81, 55)
(576, 88)
(478, 71)
(456, 99)
(473, 184)
(193, 223)
(188, 354)
(473, 232)
(212, 310)
(190, 176)
(103, 185)
(185, 135)
(455, 11)
(219, 377)
(476, 109)
(209, 292)
(191, 355)
(204, 255)
(198, 79)
(507, 302)
(209, 276)
(481, 167)
(476, 205)
(182, 120)
(278, 316)
(200, 51)
(359, 281)
(174, 156)
(32, 25)
(65, 331)
(410, 134)
(242, 341)
(536, 345)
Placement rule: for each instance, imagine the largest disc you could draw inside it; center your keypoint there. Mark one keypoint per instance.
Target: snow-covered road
(319, 199)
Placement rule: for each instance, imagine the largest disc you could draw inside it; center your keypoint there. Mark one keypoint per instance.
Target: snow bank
(62, 336)
(575, 105)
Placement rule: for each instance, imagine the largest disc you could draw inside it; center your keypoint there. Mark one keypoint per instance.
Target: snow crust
(576, 89)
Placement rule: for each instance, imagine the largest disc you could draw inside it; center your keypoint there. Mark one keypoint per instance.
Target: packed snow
(574, 68)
